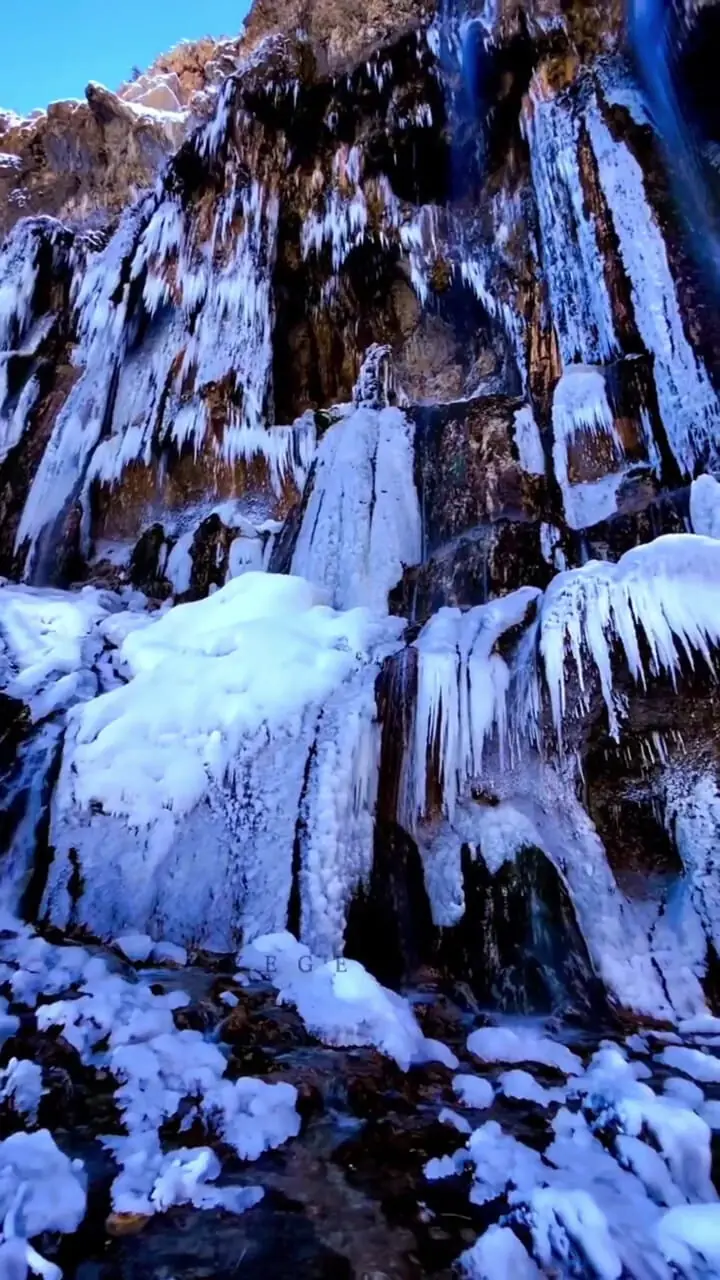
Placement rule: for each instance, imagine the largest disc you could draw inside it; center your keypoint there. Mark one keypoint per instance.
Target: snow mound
(341, 1003)
(40, 1190)
(502, 1044)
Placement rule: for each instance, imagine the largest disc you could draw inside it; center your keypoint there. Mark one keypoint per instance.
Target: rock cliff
(359, 431)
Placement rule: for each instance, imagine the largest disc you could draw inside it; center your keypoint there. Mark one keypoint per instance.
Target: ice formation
(129, 1030)
(204, 739)
(581, 413)
(204, 325)
(341, 1003)
(207, 775)
(462, 691)
(361, 527)
(635, 1204)
(41, 1190)
(688, 404)
(665, 590)
(581, 307)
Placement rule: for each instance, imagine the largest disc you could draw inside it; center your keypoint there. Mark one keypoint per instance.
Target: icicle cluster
(170, 319)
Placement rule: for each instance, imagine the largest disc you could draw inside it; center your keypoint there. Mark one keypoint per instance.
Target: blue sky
(49, 49)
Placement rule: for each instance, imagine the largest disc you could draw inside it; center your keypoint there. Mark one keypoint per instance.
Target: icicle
(337, 814)
(669, 589)
(692, 817)
(462, 693)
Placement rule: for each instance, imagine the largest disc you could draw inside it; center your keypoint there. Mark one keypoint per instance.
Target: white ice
(341, 1003)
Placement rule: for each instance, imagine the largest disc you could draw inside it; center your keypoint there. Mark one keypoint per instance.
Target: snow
(136, 946)
(48, 640)
(503, 1044)
(473, 1091)
(446, 1116)
(21, 1086)
(341, 1003)
(498, 1255)
(522, 1087)
(41, 1190)
(152, 772)
(581, 408)
(688, 1233)
(128, 1029)
(700, 1066)
(623, 1185)
(179, 567)
(361, 527)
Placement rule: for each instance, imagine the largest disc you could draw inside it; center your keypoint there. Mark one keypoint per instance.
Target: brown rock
(126, 1224)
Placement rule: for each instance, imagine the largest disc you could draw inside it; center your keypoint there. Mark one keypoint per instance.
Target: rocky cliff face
(359, 419)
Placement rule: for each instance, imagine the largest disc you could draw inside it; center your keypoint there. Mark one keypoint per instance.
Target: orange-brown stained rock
(126, 1224)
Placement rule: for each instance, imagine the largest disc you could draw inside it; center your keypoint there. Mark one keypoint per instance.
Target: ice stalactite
(688, 404)
(581, 307)
(361, 527)
(246, 754)
(337, 812)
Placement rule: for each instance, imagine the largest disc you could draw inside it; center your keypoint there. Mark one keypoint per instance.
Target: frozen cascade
(36, 247)
(155, 786)
(19, 275)
(689, 406)
(206, 309)
(24, 795)
(361, 527)
(469, 728)
(283, 753)
(581, 307)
